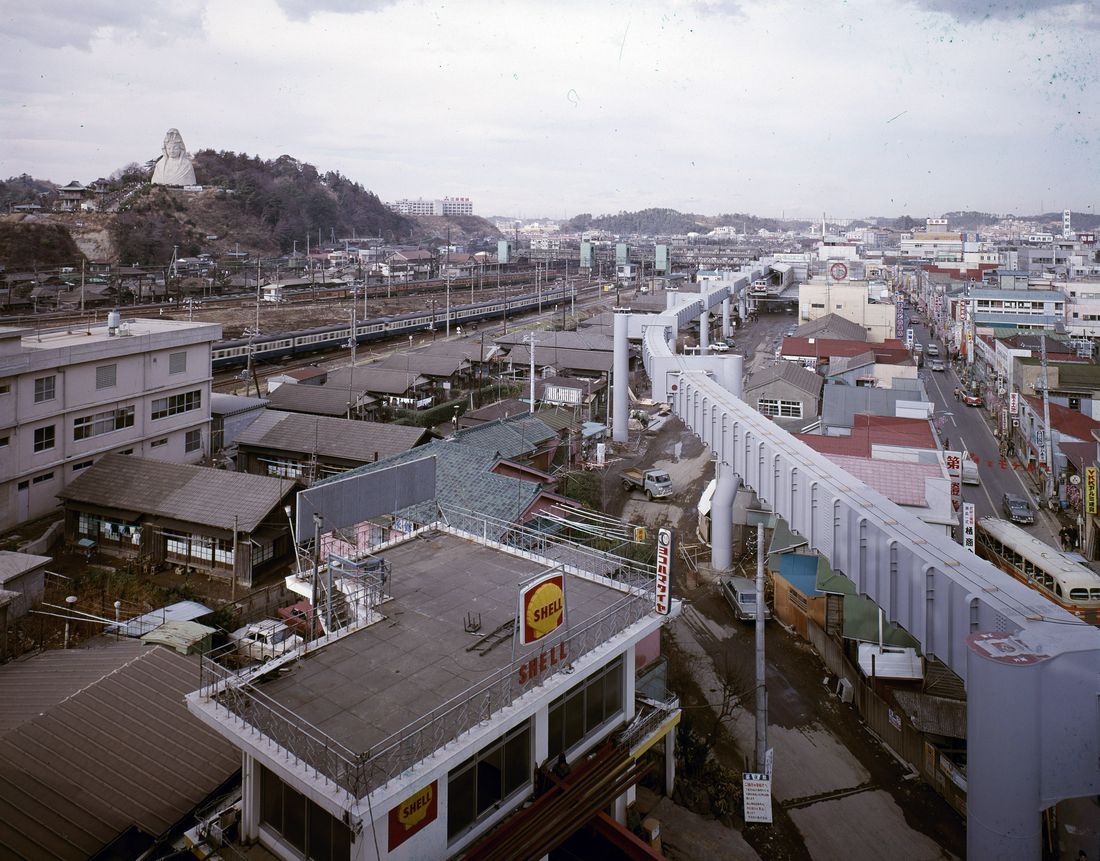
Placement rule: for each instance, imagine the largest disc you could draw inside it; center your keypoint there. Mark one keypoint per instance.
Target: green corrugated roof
(860, 612)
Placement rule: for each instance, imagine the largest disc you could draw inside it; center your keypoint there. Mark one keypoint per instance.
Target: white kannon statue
(174, 167)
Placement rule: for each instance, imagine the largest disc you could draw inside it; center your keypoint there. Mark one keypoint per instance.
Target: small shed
(22, 583)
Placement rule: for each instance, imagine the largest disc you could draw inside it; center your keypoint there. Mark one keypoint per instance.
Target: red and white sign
(838, 271)
(412, 814)
(541, 607)
(756, 789)
(953, 461)
(1014, 404)
(662, 600)
(968, 526)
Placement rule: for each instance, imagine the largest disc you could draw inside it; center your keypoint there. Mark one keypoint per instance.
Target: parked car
(740, 593)
(1017, 509)
(719, 347)
(297, 617)
(937, 365)
(933, 350)
(264, 640)
(972, 400)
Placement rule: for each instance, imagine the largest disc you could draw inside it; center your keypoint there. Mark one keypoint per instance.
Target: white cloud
(560, 108)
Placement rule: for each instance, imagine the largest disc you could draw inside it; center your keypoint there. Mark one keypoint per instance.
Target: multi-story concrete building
(438, 206)
(1082, 308)
(68, 397)
(850, 300)
(415, 726)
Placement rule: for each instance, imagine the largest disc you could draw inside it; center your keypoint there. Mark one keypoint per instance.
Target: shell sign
(412, 814)
(542, 608)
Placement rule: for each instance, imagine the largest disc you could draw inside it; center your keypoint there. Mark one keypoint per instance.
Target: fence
(891, 726)
(230, 689)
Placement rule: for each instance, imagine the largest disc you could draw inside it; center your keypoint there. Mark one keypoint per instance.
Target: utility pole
(761, 686)
(1051, 484)
(530, 339)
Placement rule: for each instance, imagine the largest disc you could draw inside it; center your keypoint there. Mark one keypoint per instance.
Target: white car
(719, 347)
(264, 640)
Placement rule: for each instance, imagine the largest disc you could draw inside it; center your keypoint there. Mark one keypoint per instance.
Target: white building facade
(71, 396)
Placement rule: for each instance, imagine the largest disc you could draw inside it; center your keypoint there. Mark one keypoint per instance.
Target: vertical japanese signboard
(1090, 490)
(662, 597)
(899, 318)
(1014, 403)
(968, 526)
(953, 461)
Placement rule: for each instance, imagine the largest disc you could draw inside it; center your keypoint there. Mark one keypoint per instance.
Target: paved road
(969, 429)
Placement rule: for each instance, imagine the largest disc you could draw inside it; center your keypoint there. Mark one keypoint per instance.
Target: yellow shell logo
(416, 808)
(545, 607)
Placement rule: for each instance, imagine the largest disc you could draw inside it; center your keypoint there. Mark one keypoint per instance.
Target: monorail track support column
(721, 517)
(704, 333)
(726, 318)
(1004, 757)
(620, 381)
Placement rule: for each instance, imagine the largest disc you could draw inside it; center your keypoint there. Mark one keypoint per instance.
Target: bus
(1063, 577)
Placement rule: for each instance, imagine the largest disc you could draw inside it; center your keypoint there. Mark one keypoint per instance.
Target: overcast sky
(551, 109)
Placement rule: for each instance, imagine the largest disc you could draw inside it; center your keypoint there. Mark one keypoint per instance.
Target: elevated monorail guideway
(1032, 669)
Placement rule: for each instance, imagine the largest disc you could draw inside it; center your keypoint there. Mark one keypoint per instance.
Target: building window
(4, 440)
(579, 712)
(5, 387)
(105, 376)
(281, 467)
(817, 304)
(193, 440)
(302, 823)
(783, 409)
(175, 404)
(84, 464)
(101, 423)
(46, 476)
(44, 438)
(177, 363)
(45, 388)
(476, 788)
(157, 443)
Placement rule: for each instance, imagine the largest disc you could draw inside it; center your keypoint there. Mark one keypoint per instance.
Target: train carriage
(234, 353)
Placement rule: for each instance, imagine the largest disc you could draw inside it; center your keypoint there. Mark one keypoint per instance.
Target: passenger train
(1061, 577)
(229, 354)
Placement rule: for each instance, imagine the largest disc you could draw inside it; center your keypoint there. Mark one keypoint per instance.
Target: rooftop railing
(233, 690)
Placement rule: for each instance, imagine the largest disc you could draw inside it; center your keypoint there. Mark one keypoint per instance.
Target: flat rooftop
(373, 682)
(76, 336)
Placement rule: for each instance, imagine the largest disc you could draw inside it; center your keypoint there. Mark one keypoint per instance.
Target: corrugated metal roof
(562, 359)
(791, 373)
(231, 405)
(315, 400)
(330, 437)
(425, 363)
(29, 686)
(123, 751)
(193, 494)
(832, 326)
(375, 379)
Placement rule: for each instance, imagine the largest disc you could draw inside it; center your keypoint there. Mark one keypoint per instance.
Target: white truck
(655, 482)
(264, 640)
